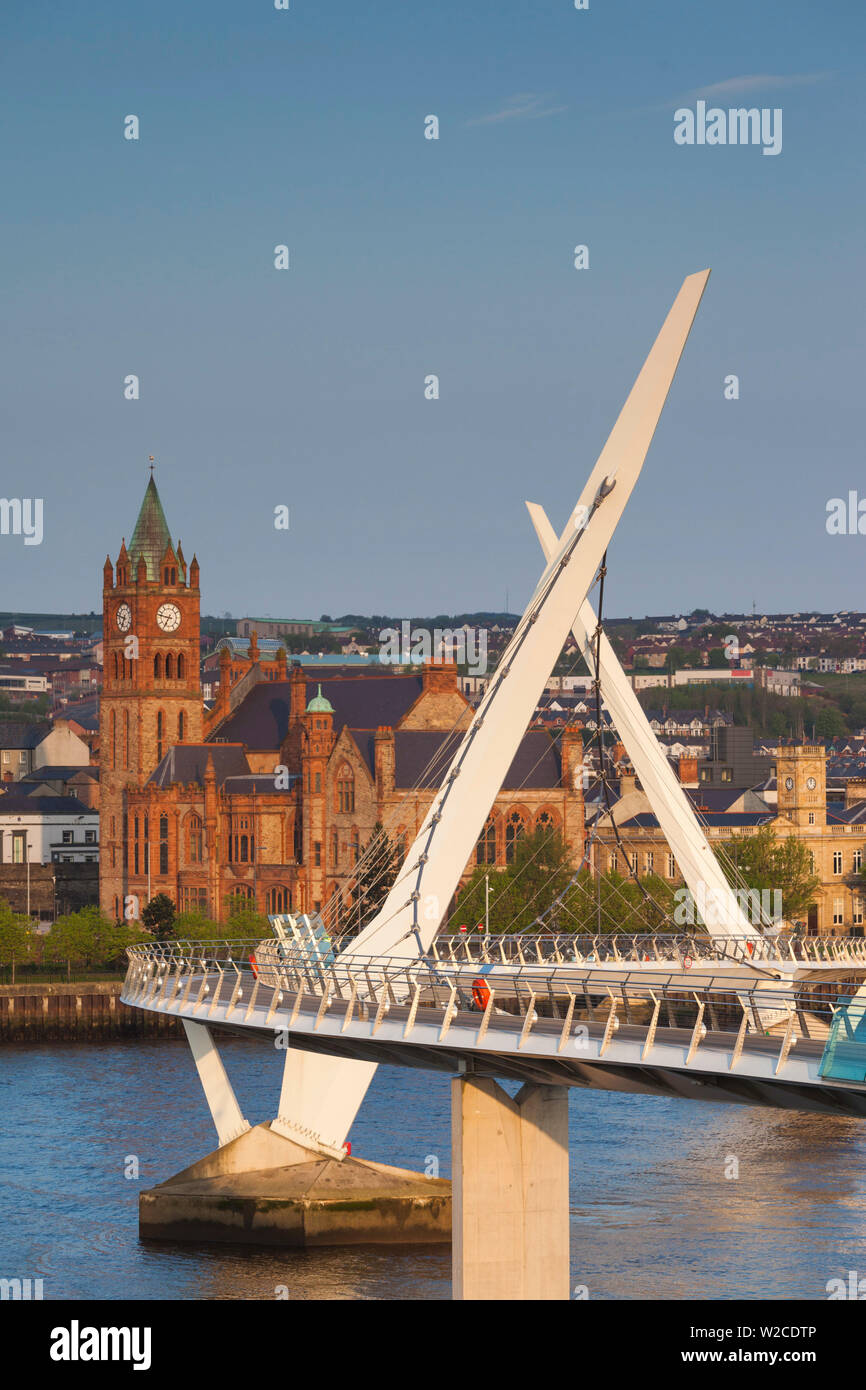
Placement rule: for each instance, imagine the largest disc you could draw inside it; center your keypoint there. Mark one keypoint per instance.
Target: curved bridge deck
(566, 1025)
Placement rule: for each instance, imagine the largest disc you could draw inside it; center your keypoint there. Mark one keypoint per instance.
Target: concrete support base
(510, 1175)
(263, 1189)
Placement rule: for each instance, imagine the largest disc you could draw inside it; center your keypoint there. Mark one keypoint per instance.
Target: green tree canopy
(766, 863)
(195, 926)
(89, 938)
(539, 872)
(243, 924)
(16, 935)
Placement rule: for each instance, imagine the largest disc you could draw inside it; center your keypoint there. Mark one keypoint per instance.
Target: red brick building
(269, 798)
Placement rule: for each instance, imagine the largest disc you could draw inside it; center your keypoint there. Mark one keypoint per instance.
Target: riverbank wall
(76, 1012)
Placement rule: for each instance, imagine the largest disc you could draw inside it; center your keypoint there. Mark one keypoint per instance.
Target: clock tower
(801, 781)
(151, 691)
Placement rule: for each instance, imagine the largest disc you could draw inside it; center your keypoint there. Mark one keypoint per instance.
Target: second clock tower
(151, 691)
(801, 780)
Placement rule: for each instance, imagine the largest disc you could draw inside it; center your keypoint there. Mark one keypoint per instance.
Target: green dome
(319, 705)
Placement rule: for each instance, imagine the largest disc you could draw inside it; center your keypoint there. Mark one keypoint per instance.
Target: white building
(47, 829)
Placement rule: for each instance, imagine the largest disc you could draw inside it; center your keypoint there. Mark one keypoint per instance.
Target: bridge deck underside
(581, 1053)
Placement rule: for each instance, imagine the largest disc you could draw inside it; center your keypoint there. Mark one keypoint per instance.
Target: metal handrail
(152, 967)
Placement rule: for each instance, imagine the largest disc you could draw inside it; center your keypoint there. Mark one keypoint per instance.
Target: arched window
(180, 723)
(169, 667)
(514, 828)
(544, 821)
(115, 666)
(193, 839)
(157, 667)
(345, 790)
(335, 848)
(279, 899)
(181, 666)
(126, 738)
(163, 844)
(113, 737)
(486, 850)
(160, 734)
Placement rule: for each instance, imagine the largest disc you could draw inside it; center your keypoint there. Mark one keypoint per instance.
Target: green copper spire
(151, 535)
(320, 704)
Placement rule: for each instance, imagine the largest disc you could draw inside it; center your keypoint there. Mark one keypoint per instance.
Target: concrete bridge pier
(510, 1226)
(261, 1187)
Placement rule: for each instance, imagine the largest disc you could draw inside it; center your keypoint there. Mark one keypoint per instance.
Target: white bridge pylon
(321, 1096)
(701, 870)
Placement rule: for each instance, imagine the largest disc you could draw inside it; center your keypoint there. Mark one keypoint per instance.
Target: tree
(829, 722)
(16, 935)
(538, 874)
(766, 864)
(377, 870)
(243, 922)
(158, 916)
(89, 938)
(625, 907)
(195, 926)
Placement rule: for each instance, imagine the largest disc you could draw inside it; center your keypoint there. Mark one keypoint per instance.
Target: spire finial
(151, 461)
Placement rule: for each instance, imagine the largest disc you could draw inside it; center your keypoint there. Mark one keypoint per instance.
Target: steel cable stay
(558, 901)
(329, 913)
(599, 736)
(440, 757)
(502, 671)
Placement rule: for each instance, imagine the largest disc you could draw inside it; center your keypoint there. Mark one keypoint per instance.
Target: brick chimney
(572, 759)
(687, 770)
(439, 676)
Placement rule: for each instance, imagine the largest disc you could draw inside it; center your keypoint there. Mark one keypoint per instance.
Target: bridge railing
(194, 979)
(567, 947)
(525, 949)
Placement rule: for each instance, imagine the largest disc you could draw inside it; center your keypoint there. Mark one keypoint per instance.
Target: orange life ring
(254, 965)
(750, 947)
(480, 994)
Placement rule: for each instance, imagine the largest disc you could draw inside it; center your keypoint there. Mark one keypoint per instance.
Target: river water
(653, 1212)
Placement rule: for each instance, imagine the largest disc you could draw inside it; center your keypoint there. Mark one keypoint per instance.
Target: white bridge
(662, 1030)
(737, 1014)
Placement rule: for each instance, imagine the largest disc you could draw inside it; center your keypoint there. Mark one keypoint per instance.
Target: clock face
(789, 784)
(123, 617)
(811, 783)
(168, 617)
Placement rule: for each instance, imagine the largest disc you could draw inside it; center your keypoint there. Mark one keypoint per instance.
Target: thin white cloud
(756, 82)
(524, 106)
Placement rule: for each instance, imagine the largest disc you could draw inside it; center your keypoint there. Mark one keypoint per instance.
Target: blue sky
(410, 257)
